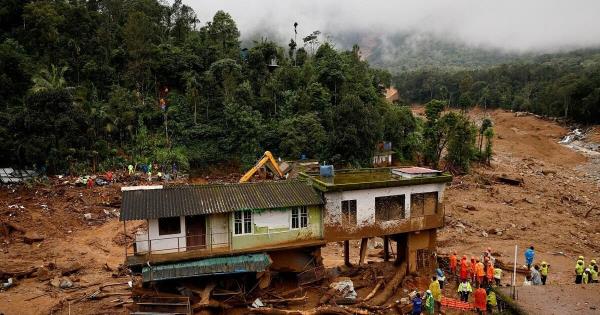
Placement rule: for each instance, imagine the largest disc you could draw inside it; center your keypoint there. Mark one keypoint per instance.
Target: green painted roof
(209, 266)
(366, 178)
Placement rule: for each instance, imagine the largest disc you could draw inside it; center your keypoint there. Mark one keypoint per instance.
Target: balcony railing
(177, 244)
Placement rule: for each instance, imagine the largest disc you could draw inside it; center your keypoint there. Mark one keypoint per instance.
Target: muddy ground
(555, 209)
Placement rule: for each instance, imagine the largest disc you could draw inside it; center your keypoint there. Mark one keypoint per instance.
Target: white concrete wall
(161, 243)
(365, 201)
(273, 219)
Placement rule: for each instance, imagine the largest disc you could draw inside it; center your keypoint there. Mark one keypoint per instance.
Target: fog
(511, 25)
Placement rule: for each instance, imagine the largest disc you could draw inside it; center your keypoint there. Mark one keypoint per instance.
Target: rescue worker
(529, 255)
(130, 169)
(490, 273)
(480, 302)
(497, 275)
(464, 269)
(434, 287)
(594, 270)
(579, 269)
(149, 171)
(464, 289)
(492, 302)
(593, 275)
(417, 304)
(453, 263)
(429, 303)
(544, 272)
(536, 279)
(480, 272)
(441, 277)
(586, 276)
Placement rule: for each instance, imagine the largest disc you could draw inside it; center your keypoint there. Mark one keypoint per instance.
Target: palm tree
(49, 80)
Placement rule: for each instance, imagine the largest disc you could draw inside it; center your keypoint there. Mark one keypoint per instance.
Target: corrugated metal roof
(208, 266)
(206, 199)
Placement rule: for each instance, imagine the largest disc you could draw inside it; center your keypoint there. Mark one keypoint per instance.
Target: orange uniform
(473, 266)
(453, 263)
(464, 269)
(480, 272)
(480, 299)
(490, 272)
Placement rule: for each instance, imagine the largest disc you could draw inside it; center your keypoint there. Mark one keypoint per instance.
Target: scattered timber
(391, 287)
(322, 310)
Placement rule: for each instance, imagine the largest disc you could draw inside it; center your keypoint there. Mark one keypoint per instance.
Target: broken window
(242, 222)
(299, 217)
(423, 204)
(349, 212)
(169, 226)
(389, 208)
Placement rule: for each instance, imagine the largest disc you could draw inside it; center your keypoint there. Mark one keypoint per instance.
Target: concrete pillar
(347, 253)
(401, 248)
(386, 248)
(363, 250)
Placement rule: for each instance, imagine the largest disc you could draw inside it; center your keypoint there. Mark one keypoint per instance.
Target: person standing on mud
(436, 292)
(464, 289)
(417, 304)
(464, 269)
(429, 303)
(529, 256)
(544, 272)
(536, 279)
(579, 269)
(480, 300)
(453, 262)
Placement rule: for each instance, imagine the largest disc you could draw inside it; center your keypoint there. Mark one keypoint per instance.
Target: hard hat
(543, 263)
(428, 291)
(464, 256)
(593, 262)
(581, 257)
(472, 257)
(587, 269)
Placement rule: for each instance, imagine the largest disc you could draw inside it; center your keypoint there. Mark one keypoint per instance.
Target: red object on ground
(90, 183)
(109, 176)
(457, 304)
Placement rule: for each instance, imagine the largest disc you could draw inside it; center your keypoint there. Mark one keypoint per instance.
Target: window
(299, 217)
(169, 226)
(242, 222)
(349, 212)
(389, 208)
(423, 204)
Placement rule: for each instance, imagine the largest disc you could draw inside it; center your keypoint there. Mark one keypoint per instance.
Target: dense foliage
(564, 85)
(98, 84)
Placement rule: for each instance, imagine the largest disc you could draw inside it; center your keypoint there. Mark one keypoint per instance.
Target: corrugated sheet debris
(207, 199)
(209, 266)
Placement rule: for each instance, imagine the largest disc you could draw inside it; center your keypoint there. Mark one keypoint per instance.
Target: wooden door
(195, 231)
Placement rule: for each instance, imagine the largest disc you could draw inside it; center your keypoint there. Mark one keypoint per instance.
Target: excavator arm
(267, 160)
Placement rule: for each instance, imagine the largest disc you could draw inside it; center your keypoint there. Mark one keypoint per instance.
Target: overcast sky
(517, 25)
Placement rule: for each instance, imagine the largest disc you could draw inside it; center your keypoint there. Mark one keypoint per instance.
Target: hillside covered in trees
(559, 85)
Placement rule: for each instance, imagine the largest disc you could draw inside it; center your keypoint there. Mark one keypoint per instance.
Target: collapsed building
(212, 229)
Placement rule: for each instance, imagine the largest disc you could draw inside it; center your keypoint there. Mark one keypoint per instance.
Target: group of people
(478, 273)
(148, 168)
(587, 274)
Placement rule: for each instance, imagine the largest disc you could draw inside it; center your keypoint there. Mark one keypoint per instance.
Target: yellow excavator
(269, 161)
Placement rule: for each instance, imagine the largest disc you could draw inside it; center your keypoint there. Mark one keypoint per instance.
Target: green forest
(558, 85)
(97, 85)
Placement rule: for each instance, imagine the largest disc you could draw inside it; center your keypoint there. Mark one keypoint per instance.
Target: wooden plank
(363, 250)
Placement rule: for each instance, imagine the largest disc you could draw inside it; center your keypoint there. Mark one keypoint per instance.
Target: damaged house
(281, 225)
(254, 225)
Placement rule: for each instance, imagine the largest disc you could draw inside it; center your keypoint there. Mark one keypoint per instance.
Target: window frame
(244, 219)
(169, 226)
(349, 212)
(300, 217)
(378, 217)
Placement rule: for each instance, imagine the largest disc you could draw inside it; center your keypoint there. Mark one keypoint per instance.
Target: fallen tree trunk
(5, 274)
(391, 287)
(372, 293)
(327, 296)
